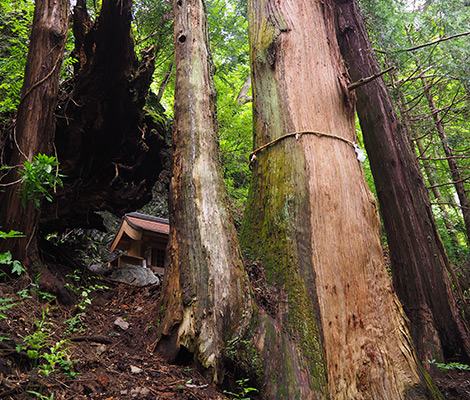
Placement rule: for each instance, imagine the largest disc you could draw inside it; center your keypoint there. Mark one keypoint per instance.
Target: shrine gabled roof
(135, 224)
(148, 222)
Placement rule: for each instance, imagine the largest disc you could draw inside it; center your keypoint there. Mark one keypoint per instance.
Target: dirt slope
(107, 346)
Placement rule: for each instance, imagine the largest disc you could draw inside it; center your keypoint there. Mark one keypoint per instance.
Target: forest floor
(106, 355)
(106, 351)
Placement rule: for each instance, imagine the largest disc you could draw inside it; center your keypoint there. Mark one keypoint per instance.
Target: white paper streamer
(360, 153)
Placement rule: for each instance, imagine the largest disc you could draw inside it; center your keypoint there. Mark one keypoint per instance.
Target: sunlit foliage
(15, 25)
(442, 69)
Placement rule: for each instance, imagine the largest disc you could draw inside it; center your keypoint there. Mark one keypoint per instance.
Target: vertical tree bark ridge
(279, 239)
(311, 218)
(419, 261)
(35, 125)
(206, 288)
(439, 199)
(81, 25)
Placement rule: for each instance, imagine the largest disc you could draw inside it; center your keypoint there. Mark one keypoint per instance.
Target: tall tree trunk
(35, 124)
(439, 199)
(208, 308)
(206, 289)
(311, 218)
(419, 260)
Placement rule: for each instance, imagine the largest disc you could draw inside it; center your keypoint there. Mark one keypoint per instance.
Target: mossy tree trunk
(312, 221)
(35, 126)
(205, 290)
(419, 260)
(208, 308)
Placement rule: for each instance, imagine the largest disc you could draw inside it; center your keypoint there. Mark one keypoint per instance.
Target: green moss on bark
(242, 350)
(270, 235)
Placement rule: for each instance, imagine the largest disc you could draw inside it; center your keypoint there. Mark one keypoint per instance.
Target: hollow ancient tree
(311, 219)
(419, 260)
(110, 147)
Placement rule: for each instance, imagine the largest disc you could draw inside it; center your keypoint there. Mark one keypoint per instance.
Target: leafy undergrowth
(101, 349)
(95, 350)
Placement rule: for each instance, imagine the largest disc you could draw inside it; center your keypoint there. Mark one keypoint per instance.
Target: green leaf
(17, 268)
(37, 177)
(33, 354)
(11, 234)
(5, 258)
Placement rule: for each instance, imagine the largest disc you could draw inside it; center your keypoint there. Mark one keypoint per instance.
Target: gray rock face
(134, 274)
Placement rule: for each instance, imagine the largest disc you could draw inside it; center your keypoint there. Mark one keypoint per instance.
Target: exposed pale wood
(205, 291)
(131, 232)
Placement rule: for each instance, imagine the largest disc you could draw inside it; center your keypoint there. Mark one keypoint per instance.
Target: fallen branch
(91, 338)
(10, 391)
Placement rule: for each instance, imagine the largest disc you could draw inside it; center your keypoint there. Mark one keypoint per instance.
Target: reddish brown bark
(312, 221)
(35, 126)
(81, 26)
(419, 260)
